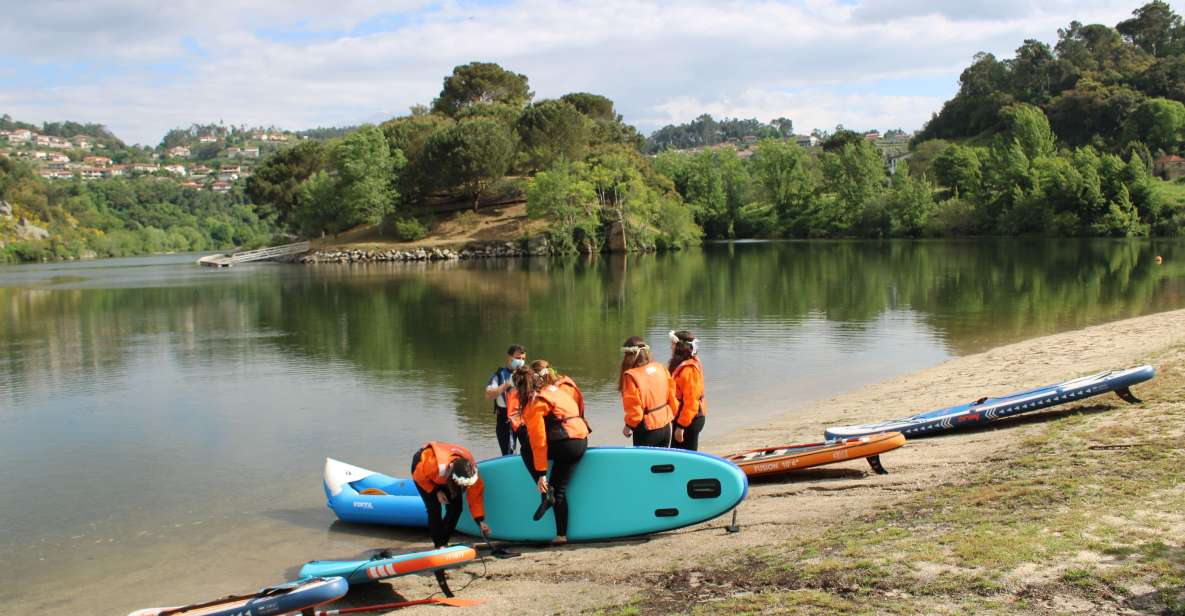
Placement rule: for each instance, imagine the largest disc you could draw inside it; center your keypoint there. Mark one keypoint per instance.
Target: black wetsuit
(652, 438)
(440, 529)
(691, 434)
(565, 454)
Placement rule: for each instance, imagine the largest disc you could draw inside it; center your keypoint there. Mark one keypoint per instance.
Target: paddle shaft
(396, 606)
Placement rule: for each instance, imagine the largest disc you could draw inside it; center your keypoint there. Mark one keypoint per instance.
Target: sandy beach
(578, 579)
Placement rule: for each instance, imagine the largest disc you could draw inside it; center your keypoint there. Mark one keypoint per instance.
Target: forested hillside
(1115, 88)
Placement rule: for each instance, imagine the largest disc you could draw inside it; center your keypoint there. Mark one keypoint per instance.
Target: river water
(163, 426)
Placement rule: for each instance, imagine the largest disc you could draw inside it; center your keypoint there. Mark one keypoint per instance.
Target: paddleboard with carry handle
(774, 461)
(989, 409)
(296, 596)
(384, 564)
(614, 492)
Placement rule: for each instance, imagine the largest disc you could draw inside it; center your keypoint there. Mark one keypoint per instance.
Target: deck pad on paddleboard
(987, 410)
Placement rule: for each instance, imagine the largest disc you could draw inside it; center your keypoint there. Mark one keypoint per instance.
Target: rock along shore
(470, 251)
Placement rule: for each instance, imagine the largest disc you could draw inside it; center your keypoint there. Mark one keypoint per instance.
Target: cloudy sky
(144, 66)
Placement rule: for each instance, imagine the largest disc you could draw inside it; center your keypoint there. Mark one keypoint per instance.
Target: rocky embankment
(470, 251)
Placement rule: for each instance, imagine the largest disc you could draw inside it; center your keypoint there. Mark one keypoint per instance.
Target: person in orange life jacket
(688, 375)
(647, 395)
(557, 431)
(497, 389)
(442, 473)
(514, 409)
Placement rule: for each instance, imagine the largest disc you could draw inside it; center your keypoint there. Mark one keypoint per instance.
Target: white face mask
(517, 363)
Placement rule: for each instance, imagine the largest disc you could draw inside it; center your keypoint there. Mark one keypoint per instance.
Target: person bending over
(443, 472)
(647, 396)
(556, 431)
(688, 375)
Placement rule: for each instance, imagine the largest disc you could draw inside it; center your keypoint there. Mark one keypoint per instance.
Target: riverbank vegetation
(43, 220)
(1057, 141)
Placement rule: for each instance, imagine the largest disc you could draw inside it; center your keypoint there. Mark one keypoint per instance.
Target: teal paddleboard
(614, 492)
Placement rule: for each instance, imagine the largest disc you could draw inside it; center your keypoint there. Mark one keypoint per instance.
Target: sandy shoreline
(579, 578)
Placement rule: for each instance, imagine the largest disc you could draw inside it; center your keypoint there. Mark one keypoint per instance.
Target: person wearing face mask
(497, 387)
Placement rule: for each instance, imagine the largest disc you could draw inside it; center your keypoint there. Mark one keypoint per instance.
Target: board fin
(443, 582)
(1126, 395)
(877, 467)
(733, 527)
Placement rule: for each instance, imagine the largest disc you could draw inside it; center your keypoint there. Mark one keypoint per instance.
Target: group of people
(542, 411)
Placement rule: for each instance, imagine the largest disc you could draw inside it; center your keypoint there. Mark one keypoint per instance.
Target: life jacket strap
(655, 409)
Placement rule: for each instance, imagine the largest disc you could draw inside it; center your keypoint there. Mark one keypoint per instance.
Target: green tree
(274, 183)
(472, 155)
(481, 82)
(1027, 126)
(1154, 27)
(959, 169)
(568, 202)
(1159, 123)
(551, 131)
(854, 174)
(782, 171)
(366, 169)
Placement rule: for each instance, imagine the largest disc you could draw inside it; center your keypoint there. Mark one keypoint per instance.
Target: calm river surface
(163, 422)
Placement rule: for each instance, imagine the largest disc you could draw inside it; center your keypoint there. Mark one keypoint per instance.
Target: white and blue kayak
(295, 596)
(987, 410)
(614, 492)
(366, 497)
(384, 565)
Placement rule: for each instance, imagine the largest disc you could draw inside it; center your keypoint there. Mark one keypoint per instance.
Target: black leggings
(691, 435)
(525, 450)
(660, 437)
(565, 454)
(502, 429)
(439, 529)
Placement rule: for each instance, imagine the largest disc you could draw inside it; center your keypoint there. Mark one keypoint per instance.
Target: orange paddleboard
(771, 461)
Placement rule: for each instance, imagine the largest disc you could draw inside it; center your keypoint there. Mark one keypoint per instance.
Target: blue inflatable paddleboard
(614, 492)
(987, 410)
(280, 599)
(383, 565)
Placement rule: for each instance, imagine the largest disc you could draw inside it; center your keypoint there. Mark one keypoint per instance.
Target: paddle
(451, 601)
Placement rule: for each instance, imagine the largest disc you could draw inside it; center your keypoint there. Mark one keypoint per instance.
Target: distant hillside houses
(179, 152)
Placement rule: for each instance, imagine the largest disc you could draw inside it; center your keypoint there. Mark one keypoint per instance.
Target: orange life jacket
(648, 396)
(568, 385)
(689, 391)
(514, 410)
(552, 415)
(432, 473)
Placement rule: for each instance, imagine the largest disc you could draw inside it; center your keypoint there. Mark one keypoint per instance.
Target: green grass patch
(1084, 509)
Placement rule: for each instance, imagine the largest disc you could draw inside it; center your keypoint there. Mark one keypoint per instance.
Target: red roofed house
(97, 161)
(1169, 167)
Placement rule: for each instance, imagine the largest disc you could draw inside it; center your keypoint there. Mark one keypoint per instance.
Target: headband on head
(694, 342)
(635, 349)
(465, 481)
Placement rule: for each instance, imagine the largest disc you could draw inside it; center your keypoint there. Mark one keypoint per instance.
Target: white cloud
(819, 62)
